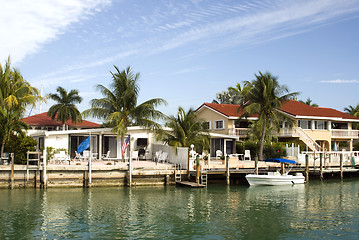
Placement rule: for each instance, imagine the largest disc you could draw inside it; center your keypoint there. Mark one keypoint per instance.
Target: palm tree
(309, 102)
(186, 129)
(234, 95)
(119, 108)
(65, 108)
(15, 95)
(265, 97)
(352, 110)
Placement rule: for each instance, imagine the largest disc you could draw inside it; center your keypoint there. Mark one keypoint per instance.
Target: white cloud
(340, 81)
(27, 25)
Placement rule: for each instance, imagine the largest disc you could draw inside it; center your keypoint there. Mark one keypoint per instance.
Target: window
(305, 124)
(219, 124)
(206, 125)
(320, 125)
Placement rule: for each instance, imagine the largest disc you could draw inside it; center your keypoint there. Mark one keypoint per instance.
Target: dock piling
(307, 167)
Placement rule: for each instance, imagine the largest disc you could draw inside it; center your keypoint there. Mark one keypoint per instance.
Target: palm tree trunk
(261, 143)
(3, 144)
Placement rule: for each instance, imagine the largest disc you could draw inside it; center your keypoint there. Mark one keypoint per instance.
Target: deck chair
(135, 155)
(163, 157)
(219, 154)
(106, 156)
(247, 154)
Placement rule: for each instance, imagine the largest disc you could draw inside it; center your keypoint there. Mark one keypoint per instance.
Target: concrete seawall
(78, 176)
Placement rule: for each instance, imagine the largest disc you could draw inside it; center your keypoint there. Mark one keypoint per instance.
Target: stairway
(308, 140)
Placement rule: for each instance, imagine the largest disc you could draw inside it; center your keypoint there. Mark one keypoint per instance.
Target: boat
(276, 178)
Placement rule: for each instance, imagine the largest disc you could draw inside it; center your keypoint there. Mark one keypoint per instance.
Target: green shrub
(356, 146)
(20, 145)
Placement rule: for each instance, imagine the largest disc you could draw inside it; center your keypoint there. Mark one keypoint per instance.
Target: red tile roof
(291, 107)
(43, 120)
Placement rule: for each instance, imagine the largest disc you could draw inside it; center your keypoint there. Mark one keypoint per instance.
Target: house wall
(59, 141)
(211, 116)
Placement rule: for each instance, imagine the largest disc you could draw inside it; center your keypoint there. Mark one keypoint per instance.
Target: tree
(234, 95)
(186, 129)
(355, 112)
(265, 97)
(309, 102)
(15, 95)
(119, 108)
(65, 108)
(352, 110)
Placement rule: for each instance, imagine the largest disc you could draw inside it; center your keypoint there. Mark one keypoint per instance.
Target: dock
(190, 184)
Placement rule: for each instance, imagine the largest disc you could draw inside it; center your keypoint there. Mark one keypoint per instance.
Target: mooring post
(321, 165)
(307, 167)
(227, 170)
(341, 166)
(12, 170)
(197, 169)
(255, 165)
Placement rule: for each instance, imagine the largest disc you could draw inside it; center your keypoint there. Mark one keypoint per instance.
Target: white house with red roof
(319, 128)
(49, 133)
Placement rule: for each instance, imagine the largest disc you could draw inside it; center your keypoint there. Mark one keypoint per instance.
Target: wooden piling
(227, 170)
(307, 167)
(341, 166)
(256, 165)
(12, 171)
(321, 165)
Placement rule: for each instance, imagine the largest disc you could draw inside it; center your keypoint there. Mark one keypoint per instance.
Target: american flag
(125, 145)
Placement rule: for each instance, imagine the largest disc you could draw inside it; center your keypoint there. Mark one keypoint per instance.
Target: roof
(291, 107)
(43, 120)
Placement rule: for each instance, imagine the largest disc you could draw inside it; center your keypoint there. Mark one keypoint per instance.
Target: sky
(186, 51)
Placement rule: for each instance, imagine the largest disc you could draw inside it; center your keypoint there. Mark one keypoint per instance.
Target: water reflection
(318, 209)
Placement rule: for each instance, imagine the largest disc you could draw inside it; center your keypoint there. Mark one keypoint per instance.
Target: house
(320, 129)
(49, 133)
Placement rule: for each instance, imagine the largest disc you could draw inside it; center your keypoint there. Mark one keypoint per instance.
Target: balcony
(344, 133)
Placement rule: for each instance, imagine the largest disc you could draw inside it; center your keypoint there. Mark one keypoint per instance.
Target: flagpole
(129, 162)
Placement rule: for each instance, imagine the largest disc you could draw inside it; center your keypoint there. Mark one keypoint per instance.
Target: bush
(20, 145)
(274, 150)
(356, 146)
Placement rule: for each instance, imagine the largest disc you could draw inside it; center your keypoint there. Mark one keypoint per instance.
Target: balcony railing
(343, 133)
(285, 132)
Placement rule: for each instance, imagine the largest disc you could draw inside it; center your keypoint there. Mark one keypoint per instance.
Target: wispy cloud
(340, 81)
(187, 70)
(27, 25)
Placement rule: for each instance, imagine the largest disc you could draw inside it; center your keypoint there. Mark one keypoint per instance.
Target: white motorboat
(276, 178)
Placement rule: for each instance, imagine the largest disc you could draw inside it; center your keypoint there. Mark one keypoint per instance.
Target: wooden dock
(190, 184)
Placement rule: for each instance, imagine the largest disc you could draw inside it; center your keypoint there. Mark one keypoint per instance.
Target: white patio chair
(157, 156)
(135, 155)
(163, 157)
(247, 154)
(106, 156)
(219, 154)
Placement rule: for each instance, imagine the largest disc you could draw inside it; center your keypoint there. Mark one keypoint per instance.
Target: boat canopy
(280, 160)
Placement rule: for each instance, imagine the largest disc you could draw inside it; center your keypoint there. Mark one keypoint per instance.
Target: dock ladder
(33, 163)
(178, 173)
(204, 178)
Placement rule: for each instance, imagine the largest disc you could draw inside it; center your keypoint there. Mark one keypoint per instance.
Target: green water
(319, 210)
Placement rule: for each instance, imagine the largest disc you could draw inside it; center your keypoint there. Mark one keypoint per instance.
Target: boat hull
(274, 180)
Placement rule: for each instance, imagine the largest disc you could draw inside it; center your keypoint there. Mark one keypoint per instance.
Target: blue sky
(186, 51)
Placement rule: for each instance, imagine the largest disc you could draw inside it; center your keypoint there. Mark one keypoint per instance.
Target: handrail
(307, 139)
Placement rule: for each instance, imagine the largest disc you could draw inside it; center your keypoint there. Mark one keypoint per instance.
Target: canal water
(318, 210)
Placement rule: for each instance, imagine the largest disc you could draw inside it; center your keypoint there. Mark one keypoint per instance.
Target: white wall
(59, 141)
(181, 157)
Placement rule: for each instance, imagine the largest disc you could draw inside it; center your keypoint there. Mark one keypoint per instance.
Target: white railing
(308, 140)
(343, 133)
(240, 132)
